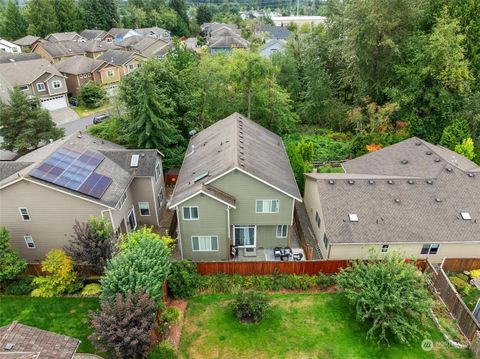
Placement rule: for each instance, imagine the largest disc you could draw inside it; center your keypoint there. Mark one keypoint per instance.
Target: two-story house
(98, 35)
(43, 193)
(27, 43)
(128, 61)
(64, 36)
(147, 46)
(57, 51)
(36, 78)
(79, 70)
(235, 193)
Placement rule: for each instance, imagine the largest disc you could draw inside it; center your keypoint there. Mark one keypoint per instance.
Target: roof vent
(418, 143)
(437, 160)
(429, 181)
(353, 217)
(404, 162)
(449, 169)
(9, 346)
(438, 200)
(471, 175)
(428, 153)
(351, 182)
(466, 216)
(371, 181)
(331, 182)
(410, 182)
(134, 160)
(390, 182)
(397, 200)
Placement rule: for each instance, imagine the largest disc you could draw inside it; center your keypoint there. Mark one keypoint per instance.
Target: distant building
(98, 35)
(28, 42)
(64, 36)
(7, 46)
(271, 47)
(274, 32)
(298, 20)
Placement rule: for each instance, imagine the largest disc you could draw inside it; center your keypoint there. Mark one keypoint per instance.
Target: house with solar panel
(43, 193)
(235, 195)
(413, 197)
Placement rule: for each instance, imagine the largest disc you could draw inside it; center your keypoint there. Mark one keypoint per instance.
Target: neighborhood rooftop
(62, 48)
(406, 193)
(93, 34)
(234, 143)
(27, 40)
(78, 65)
(25, 72)
(117, 57)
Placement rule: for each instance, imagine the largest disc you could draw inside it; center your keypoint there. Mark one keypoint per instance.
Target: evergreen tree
(23, 125)
(180, 7)
(14, 25)
(204, 14)
(42, 19)
(99, 14)
(69, 15)
(454, 134)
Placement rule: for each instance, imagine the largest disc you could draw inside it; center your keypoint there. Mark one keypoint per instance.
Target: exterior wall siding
(142, 191)
(312, 203)
(267, 237)
(52, 216)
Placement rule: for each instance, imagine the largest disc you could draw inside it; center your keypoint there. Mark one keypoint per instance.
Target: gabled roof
(28, 40)
(6, 57)
(77, 65)
(275, 32)
(25, 72)
(62, 36)
(224, 31)
(62, 48)
(93, 34)
(30, 342)
(146, 163)
(156, 31)
(118, 57)
(234, 143)
(227, 42)
(96, 46)
(271, 43)
(410, 192)
(117, 31)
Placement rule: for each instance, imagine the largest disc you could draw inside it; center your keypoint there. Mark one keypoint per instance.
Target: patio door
(245, 236)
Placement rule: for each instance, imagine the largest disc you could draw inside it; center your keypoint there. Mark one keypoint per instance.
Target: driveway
(63, 115)
(79, 124)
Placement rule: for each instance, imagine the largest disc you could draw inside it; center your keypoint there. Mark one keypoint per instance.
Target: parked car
(100, 118)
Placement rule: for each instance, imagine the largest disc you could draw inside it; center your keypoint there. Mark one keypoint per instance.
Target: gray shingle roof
(93, 34)
(234, 142)
(62, 48)
(414, 201)
(227, 42)
(25, 72)
(117, 57)
(276, 32)
(96, 46)
(156, 31)
(146, 163)
(78, 65)
(117, 31)
(30, 342)
(8, 168)
(6, 57)
(26, 40)
(62, 36)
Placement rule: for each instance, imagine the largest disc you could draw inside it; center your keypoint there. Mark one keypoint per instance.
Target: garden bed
(68, 316)
(298, 325)
(469, 293)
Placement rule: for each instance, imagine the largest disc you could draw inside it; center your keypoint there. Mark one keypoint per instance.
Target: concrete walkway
(63, 115)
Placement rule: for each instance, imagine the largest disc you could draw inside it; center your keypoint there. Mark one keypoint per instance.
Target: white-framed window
(144, 208)
(204, 243)
(41, 86)
(430, 249)
(244, 236)
(23, 87)
(267, 205)
(385, 248)
(157, 172)
(110, 73)
(24, 213)
(282, 231)
(190, 213)
(122, 200)
(317, 219)
(57, 84)
(131, 67)
(325, 240)
(132, 221)
(29, 241)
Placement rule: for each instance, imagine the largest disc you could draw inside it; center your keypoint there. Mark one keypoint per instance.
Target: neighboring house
(155, 32)
(36, 78)
(271, 47)
(147, 46)
(95, 48)
(226, 44)
(120, 34)
(191, 43)
(57, 51)
(79, 70)
(10, 47)
(274, 32)
(298, 20)
(209, 27)
(235, 188)
(43, 193)
(98, 35)
(64, 36)
(6, 57)
(413, 197)
(18, 341)
(128, 61)
(28, 42)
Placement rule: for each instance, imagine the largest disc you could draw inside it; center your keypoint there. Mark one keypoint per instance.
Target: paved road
(80, 124)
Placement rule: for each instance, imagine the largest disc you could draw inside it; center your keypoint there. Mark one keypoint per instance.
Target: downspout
(111, 217)
(228, 233)
(179, 235)
(155, 201)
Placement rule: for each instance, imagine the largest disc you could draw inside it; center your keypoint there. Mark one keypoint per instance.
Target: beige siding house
(414, 198)
(43, 193)
(235, 193)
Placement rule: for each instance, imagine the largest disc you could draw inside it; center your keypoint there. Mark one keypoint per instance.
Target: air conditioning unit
(249, 252)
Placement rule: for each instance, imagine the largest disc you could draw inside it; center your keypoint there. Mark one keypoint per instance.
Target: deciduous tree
(11, 265)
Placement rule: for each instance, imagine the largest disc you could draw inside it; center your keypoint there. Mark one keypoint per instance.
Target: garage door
(53, 103)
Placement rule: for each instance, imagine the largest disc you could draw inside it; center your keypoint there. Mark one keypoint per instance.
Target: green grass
(298, 326)
(83, 111)
(472, 298)
(68, 316)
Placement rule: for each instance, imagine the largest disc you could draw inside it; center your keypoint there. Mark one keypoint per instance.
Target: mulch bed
(176, 330)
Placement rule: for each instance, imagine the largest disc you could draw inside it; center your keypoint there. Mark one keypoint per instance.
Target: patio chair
(287, 251)
(277, 252)
(297, 256)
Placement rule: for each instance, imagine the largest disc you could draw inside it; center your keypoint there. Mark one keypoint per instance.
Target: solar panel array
(73, 169)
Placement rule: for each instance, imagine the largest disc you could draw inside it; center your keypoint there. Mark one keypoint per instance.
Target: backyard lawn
(298, 326)
(67, 316)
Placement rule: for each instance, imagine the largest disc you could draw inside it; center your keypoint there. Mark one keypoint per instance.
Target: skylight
(200, 176)
(353, 217)
(466, 215)
(134, 160)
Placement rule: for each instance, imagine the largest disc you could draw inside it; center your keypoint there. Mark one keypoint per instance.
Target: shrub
(11, 265)
(92, 242)
(20, 287)
(92, 95)
(183, 279)
(250, 307)
(123, 326)
(460, 284)
(168, 317)
(390, 295)
(110, 130)
(61, 275)
(75, 287)
(143, 266)
(325, 281)
(92, 289)
(132, 239)
(462, 276)
(475, 273)
(164, 350)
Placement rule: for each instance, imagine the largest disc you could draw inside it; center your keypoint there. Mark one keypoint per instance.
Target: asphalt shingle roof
(62, 36)
(78, 65)
(117, 57)
(25, 72)
(63, 48)
(26, 40)
(6, 57)
(227, 42)
(93, 34)
(276, 32)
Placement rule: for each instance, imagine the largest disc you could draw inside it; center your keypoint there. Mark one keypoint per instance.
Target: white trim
(31, 237)
(293, 210)
(53, 84)
(21, 214)
(210, 250)
(140, 210)
(157, 164)
(132, 210)
(254, 235)
(281, 231)
(189, 209)
(263, 201)
(197, 193)
(394, 243)
(44, 87)
(155, 202)
(12, 182)
(179, 234)
(118, 203)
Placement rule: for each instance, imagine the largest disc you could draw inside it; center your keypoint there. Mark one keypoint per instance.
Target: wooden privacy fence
(442, 286)
(460, 264)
